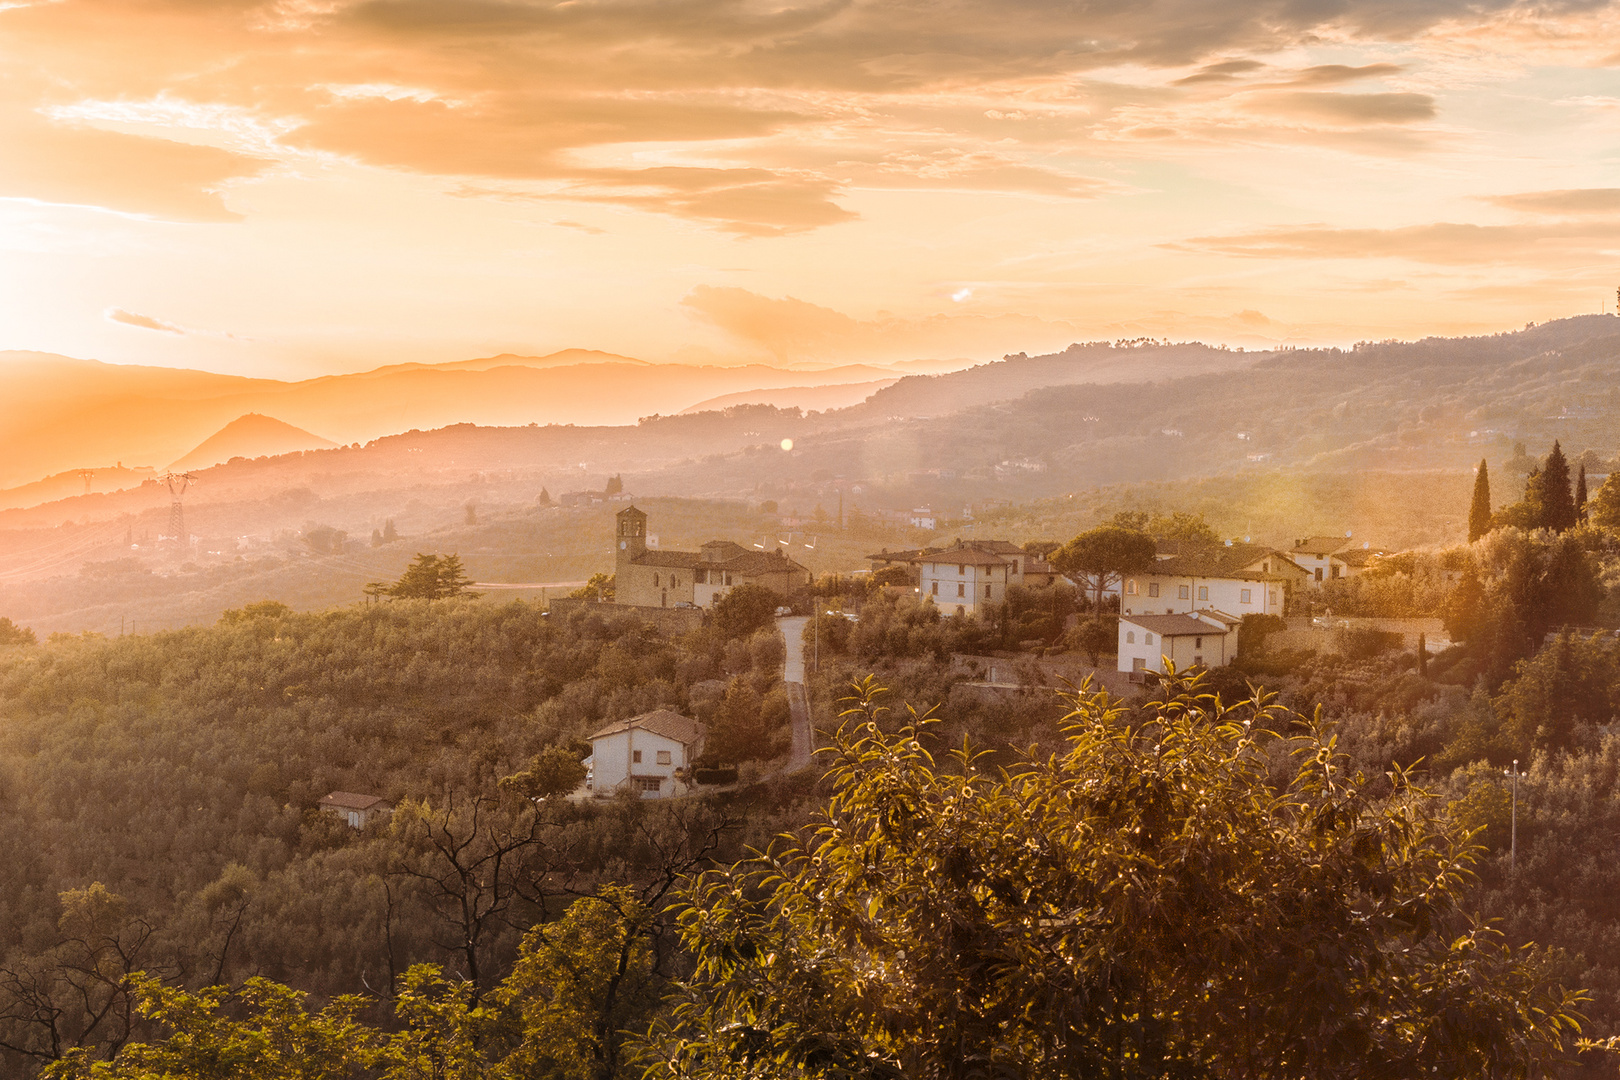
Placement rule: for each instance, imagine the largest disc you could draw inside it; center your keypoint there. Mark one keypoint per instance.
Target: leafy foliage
(1143, 904)
(432, 577)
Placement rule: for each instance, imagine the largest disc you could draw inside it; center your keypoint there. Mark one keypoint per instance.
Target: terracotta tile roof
(1173, 625)
(775, 561)
(671, 725)
(962, 556)
(348, 800)
(1222, 561)
(1320, 545)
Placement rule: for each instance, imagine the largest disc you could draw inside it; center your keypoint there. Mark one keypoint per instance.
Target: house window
(700, 577)
(1273, 597)
(1243, 597)
(1203, 592)
(728, 578)
(1198, 643)
(961, 589)
(934, 588)
(1130, 587)
(673, 581)
(635, 757)
(1153, 588)
(663, 757)
(646, 784)
(354, 819)
(1130, 637)
(1336, 570)
(655, 581)
(1181, 592)
(960, 570)
(1138, 664)
(987, 592)
(1147, 639)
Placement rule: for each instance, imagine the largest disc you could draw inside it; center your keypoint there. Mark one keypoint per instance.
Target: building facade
(651, 754)
(1243, 579)
(966, 578)
(652, 577)
(1200, 639)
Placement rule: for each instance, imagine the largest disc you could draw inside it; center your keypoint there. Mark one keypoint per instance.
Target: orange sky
(301, 186)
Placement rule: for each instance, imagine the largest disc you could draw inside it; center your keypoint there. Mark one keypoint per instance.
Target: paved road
(792, 629)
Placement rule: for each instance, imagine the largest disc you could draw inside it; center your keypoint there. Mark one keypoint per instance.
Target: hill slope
(251, 436)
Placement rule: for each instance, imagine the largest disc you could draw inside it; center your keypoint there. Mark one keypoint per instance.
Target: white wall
(611, 763)
(973, 579)
(1224, 594)
(1213, 649)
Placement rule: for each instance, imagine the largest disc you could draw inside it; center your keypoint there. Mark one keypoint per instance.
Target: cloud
(1570, 202)
(157, 178)
(1334, 74)
(1441, 243)
(554, 97)
(1346, 109)
(145, 322)
(1225, 71)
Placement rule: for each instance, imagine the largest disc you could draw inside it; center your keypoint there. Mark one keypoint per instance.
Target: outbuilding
(1198, 639)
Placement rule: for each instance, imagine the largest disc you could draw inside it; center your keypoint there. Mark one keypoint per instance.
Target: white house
(1201, 638)
(1244, 579)
(961, 579)
(651, 754)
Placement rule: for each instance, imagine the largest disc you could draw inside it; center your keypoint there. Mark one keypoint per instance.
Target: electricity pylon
(87, 475)
(178, 482)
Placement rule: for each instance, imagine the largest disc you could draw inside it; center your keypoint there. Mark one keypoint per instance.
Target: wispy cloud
(145, 322)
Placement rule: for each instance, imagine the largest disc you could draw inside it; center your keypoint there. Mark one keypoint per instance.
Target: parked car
(781, 611)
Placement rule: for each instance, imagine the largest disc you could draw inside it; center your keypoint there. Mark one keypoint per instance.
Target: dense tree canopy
(1144, 904)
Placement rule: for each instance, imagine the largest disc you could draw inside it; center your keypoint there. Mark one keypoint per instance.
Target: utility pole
(87, 475)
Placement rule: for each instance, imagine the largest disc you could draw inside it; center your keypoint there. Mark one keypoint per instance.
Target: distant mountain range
(63, 413)
(250, 436)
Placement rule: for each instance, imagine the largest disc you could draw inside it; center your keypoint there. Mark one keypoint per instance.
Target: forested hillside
(181, 771)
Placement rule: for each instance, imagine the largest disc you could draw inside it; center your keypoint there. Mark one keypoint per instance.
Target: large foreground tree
(1177, 893)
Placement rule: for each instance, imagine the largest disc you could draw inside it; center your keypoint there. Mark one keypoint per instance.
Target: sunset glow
(309, 186)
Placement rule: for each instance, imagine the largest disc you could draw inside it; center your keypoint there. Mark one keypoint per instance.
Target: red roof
(348, 800)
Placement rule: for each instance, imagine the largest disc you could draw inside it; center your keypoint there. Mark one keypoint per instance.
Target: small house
(356, 810)
(651, 754)
(1205, 638)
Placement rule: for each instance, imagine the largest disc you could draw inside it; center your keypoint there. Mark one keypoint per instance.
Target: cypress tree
(1479, 513)
(1557, 505)
(1580, 494)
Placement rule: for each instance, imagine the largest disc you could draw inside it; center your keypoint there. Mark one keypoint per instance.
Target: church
(651, 577)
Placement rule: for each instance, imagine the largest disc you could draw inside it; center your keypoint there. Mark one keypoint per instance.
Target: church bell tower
(632, 536)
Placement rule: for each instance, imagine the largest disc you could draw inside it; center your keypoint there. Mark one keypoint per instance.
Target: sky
(291, 188)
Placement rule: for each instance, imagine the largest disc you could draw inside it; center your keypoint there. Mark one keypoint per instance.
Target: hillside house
(964, 578)
(651, 577)
(356, 811)
(651, 754)
(1315, 554)
(1244, 579)
(1204, 638)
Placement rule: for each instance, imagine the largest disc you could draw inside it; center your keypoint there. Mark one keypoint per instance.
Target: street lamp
(1513, 843)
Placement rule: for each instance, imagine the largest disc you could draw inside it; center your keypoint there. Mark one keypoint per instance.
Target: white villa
(651, 754)
(1202, 638)
(962, 578)
(1244, 579)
